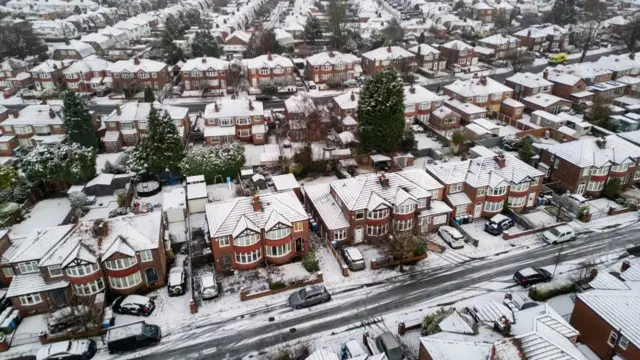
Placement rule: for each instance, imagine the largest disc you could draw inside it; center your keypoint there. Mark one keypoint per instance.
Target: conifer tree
(77, 122)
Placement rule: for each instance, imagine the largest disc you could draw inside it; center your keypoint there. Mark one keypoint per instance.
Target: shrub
(293, 352)
(7, 209)
(310, 262)
(421, 249)
(431, 321)
(275, 285)
(543, 292)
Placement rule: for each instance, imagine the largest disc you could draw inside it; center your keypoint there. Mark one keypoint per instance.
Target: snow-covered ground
(102, 159)
(539, 217)
(489, 244)
(101, 209)
(425, 142)
(45, 213)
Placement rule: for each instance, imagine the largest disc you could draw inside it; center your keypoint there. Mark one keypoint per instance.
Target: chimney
(217, 109)
(66, 41)
(625, 266)
(388, 49)
(483, 80)
(15, 114)
(419, 49)
(233, 97)
(118, 110)
(500, 160)
(384, 181)
(602, 143)
(52, 114)
(204, 59)
(100, 228)
(593, 273)
(136, 60)
(255, 201)
(529, 33)
(250, 105)
(545, 74)
(331, 54)
(269, 57)
(412, 89)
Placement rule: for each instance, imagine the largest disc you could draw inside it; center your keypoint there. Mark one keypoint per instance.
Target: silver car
(310, 296)
(208, 286)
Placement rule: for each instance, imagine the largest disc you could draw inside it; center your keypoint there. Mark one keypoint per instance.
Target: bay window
(595, 185)
(89, 288)
(481, 99)
(403, 225)
(636, 176)
(30, 299)
(493, 206)
(120, 264)
(499, 191)
(517, 201)
(404, 209)
(82, 270)
(246, 240)
(520, 187)
(276, 234)
(378, 214)
(276, 251)
(248, 258)
(377, 230)
(243, 121)
(339, 234)
(620, 167)
(225, 121)
(600, 171)
(125, 282)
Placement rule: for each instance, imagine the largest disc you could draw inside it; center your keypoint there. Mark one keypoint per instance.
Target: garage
(174, 205)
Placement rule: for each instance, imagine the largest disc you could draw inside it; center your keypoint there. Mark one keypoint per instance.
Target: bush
(7, 209)
(431, 321)
(294, 352)
(420, 250)
(544, 292)
(275, 285)
(310, 262)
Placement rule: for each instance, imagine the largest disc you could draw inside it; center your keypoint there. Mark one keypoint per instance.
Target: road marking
(209, 351)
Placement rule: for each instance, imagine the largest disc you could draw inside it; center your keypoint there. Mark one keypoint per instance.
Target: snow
(101, 209)
(425, 142)
(45, 213)
(540, 218)
(102, 159)
(563, 305)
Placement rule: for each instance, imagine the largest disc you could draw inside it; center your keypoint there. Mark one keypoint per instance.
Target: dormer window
(28, 267)
(378, 214)
(404, 209)
(277, 234)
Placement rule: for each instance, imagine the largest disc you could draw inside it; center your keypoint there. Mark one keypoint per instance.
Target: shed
(195, 179)
(196, 196)
(106, 184)
(286, 182)
(259, 181)
(403, 160)
(380, 161)
(174, 205)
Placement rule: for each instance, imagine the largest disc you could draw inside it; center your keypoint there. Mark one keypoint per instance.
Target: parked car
(559, 234)
(309, 296)
(557, 59)
(208, 286)
(10, 92)
(498, 223)
(530, 276)
(133, 305)
(177, 284)
(353, 258)
(311, 85)
(451, 236)
(68, 350)
(351, 350)
(132, 337)
(389, 345)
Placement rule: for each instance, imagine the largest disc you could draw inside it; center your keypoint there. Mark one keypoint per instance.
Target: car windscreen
(554, 231)
(303, 293)
(149, 330)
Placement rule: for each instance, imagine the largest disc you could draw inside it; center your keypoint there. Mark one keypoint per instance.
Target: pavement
(258, 333)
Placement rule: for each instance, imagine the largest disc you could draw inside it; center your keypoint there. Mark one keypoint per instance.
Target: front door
(477, 210)
(359, 235)
(532, 198)
(151, 275)
(580, 188)
(299, 245)
(58, 297)
(226, 262)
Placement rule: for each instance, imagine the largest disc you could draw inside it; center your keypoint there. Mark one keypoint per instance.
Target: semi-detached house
(458, 54)
(125, 255)
(496, 47)
(139, 73)
(88, 75)
(391, 56)
(367, 207)
(269, 68)
(204, 73)
(35, 124)
(9, 69)
(481, 91)
(419, 102)
(428, 58)
(233, 119)
(48, 74)
(323, 66)
(527, 84)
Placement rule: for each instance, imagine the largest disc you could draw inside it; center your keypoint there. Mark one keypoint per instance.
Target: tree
(408, 143)
(78, 122)
(17, 40)
(586, 32)
(457, 139)
(394, 33)
(421, 38)
(77, 10)
(193, 17)
(526, 151)
(160, 4)
(268, 88)
(214, 162)
(612, 188)
(161, 149)
(174, 54)
(501, 21)
(63, 163)
(149, 96)
(337, 22)
(376, 40)
(519, 60)
(402, 245)
(312, 29)
(262, 43)
(8, 176)
(459, 5)
(236, 76)
(563, 12)
(599, 112)
(204, 44)
(381, 112)
(630, 34)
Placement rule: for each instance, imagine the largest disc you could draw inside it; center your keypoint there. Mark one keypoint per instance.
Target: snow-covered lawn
(102, 159)
(489, 244)
(425, 142)
(539, 217)
(221, 192)
(606, 222)
(45, 213)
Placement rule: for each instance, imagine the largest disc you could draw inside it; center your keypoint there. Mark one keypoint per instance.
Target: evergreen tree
(312, 30)
(161, 149)
(60, 164)
(77, 10)
(204, 44)
(421, 38)
(381, 112)
(78, 123)
(149, 96)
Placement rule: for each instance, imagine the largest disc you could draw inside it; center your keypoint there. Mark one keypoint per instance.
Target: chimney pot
(15, 114)
(250, 105)
(52, 114)
(217, 109)
(388, 49)
(255, 201)
(353, 96)
(545, 74)
(118, 110)
(204, 59)
(625, 266)
(136, 60)
(412, 89)
(500, 160)
(269, 57)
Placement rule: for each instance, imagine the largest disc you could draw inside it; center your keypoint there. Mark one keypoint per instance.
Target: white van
(559, 234)
(451, 236)
(352, 350)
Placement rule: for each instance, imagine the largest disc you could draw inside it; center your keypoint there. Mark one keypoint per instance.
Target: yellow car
(557, 59)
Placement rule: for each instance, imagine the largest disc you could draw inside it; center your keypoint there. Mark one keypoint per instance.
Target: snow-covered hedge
(215, 163)
(62, 163)
(545, 291)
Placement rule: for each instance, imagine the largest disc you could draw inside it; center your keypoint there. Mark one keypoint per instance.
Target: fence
(24, 338)
(520, 220)
(467, 238)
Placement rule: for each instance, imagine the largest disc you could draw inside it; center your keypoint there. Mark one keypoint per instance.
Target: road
(398, 293)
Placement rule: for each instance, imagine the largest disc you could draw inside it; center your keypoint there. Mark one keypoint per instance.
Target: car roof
(136, 299)
(354, 253)
(354, 348)
(315, 289)
(498, 218)
(563, 228)
(453, 231)
(58, 348)
(389, 339)
(528, 271)
(208, 280)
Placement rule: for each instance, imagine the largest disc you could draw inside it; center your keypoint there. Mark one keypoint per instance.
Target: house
(391, 56)
(128, 123)
(632, 85)
(35, 124)
(101, 43)
(481, 91)
(607, 91)
(233, 119)
(528, 84)
(480, 187)
(139, 73)
(620, 65)
(366, 207)
(585, 165)
(238, 37)
(88, 75)
(48, 74)
(248, 232)
(566, 86)
(204, 73)
(269, 68)
(346, 104)
(512, 109)
(323, 66)
(458, 54)
(546, 119)
(73, 50)
(55, 30)
(483, 11)
(591, 73)
(547, 102)
(501, 46)
(133, 31)
(286, 182)
(120, 37)
(9, 68)
(428, 57)
(125, 255)
(444, 118)
(466, 111)
(304, 122)
(419, 102)
(542, 39)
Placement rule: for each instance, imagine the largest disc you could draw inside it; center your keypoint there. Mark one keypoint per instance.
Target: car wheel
(573, 239)
(554, 243)
(298, 307)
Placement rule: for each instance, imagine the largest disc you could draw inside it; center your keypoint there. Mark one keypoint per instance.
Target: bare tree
(585, 34)
(235, 76)
(338, 20)
(630, 34)
(82, 313)
(402, 245)
(519, 60)
(585, 272)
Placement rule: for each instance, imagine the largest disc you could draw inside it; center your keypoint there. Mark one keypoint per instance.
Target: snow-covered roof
(442, 111)
(484, 171)
(457, 45)
(388, 53)
(300, 103)
(135, 65)
(217, 131)
(38, 243)
(88, 65)
(586, 152)
(483, 86)
(82, 48)
(285, 182)
(174, 199)
(606, 281)
(582, 70)
(137, 111)
(239, 34)
(104, 41)
(482, 6)
(205, 63)
(417, 94)
(499, 39)
(348, 100)
(232, 217)
(332, 57)
(270, 61)
(323, 354)
(483, 50)
(196, 191)
(512, 102)
(13, 64)
(349, 121)
(557, 75)
(442, 349)
(618, 62)
(227, 107)
(49, 66)
(544, 99)
(32, 283)
(424, 49)
(326, 206)
(464, 108)
(529, 80)
(36, 115)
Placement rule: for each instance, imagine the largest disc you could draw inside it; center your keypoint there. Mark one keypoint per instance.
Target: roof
(36, 115)
(584, 70)
(417, 94)
(332, 57)
(300, 103)
(442, 111)
(325, 205)
(285, 182)
(618, 62)
(38, 243)
(136, 65)
(196, 191)
(174, 199)
(424, 49)
(476, 87)
(557, 76)
(242, 35)
(82, 48)
(227, 107)
(587, 152)
(49, 66)
(348, 100)
(465, 108)
(512, 102)
(323, 354)
(270, 61)
(204, 64)
(88, 65)
(139, 111)
(232, 217)
(620, 309)
(606, 281)
(442, 349)
(529, 80)
(457, 45)
(349, 121)
(544, 99)
(484, 171)
(500, 39)
(388, 53)
(32, 283)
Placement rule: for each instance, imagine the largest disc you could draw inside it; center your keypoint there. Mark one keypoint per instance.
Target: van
(559, 234)
(132, 337)
(352, 350)
(557, 59)
(389, 345)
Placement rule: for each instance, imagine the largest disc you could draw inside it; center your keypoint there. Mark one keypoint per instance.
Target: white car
(208, 286)
(451, 236)
(73, 349)
(559, 234)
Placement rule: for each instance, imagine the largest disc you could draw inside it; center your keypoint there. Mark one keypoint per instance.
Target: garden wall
(245, 295)
(384, 263)
(508, 236)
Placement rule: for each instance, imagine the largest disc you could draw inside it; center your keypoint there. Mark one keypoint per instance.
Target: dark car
(132, 337)
(177, 284)
(389, 345)
(310, 296)
(498, 223)
(530, 276)
(68, 350)
(133, 305)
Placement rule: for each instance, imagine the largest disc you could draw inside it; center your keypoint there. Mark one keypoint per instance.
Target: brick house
(458, 54)
(542, 39)
(346, 104)
(607, 91)
(632, 85)
(204, 73)
(444, 118)
(269, 68)
(48, 74)
(567, 86)
(101, 43)
(482, 91)
(238, 37)
(125, 255)
(419, 102)
(547, 102)
(479, 187)
(585, 165)
(73, 50)
(303, 120)
(232, 119)
(467, 111)
(120, 37)
(527, 84)
(323, 66)
(250, 232)
(511, 108)
(501, 46)
(484, 12)
(394, 56)
(9, 68)
(127, 124)
(35, 124)
(428, 57)
(591, 73)
(621, 65)
(87, 75)
(364, 208)
(139, 73)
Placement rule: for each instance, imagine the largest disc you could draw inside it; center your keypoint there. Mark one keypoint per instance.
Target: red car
(9, 93)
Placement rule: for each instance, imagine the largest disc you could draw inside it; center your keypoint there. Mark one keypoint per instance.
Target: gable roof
(204, 63)
(477, 87)
(457, 45)
(529, 80)
(332, 57)
(587, 152)
(388, 53)
(620, 309)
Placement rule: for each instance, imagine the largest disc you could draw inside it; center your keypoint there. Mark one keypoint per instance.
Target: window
(461, 210)
(422, 203)
(424, 106)
(28, 267)
(82, 270)
(586, 171)
(520, 187)
(127, 75)
(595, 185)
(30, 299)
(496, 96)
(403, 225)
(493, 206)
(409, 108)
(243, 121)
(223, 241)
(244, 132)
(276, 234)
(212, 73)
(599, 171)
(404, 209)
(516, 201)
(326, 67)
(636, 176)
(264, 71)
(339, 234)
(8, 272)
(70, 76)
(225, 121)
(7, 128)
(455, 188)
(89, 288)
(480, 191)
(282, 250)
(55, 271)
(556, 163)
(248, 258)
(44, 75)
(623, 343)
(378, 214)
(359, 214)
(496, 191)
(377, 230)
(196, 73)
(462, 61)
(613, 339)
(278, 71)
(120, 264)
(142, 125)
(246, 240)
(298, 226)
(481, 99)
(143, 75)
(620, 167)
(535, 182)
(23, 130)
(126, 126)
(146, 256)
(125, 282)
